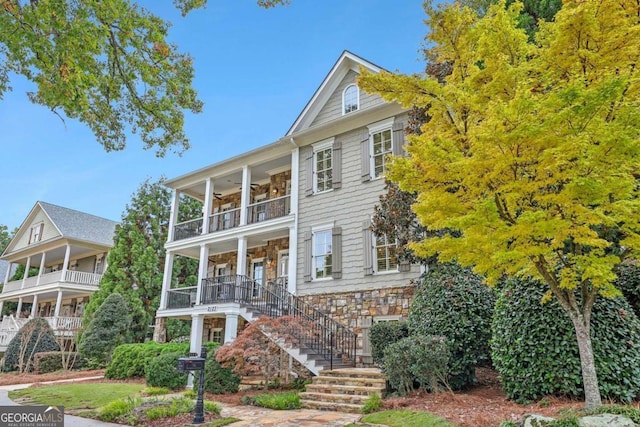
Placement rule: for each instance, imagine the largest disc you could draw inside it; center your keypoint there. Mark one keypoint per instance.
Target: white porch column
(241, 268)
(41, 270)
(202, 270)
(1, 308)
(19, 308)
(246, 194)
(27, 267)
(197, 327)
(206, 208)
(293, 259)
(65, 265)
(173, 215)
(166, 279)
(8, 273)
(293, 231)
(230, 327)
(56, 311)
(34, 306)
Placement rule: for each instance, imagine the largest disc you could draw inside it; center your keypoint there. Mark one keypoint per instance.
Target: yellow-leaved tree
(532, 154)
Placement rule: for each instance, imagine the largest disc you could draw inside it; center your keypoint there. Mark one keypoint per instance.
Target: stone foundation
(359, 310)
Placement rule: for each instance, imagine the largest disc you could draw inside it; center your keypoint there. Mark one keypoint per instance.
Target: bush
(51, 361)
(163, 371)
(278, 401)
(534, 346)
(36, 336)
(131, 360)
(628, 282)
(218, 380)
(372, 404)
(383, 334)
(453, 302)
(107, 330)
(417, 359)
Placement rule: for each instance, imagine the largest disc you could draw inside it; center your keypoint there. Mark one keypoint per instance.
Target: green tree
(106, 63)
(108, 328)
(136, 261)
(532, 151)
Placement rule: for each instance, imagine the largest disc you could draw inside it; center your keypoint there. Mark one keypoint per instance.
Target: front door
(257, 274)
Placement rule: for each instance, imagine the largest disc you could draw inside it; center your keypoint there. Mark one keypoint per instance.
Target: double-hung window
(323, 167)
(322, 262)
(36, 233)
(323, 253)
(323, 176)
(380, 140)
(385, 254)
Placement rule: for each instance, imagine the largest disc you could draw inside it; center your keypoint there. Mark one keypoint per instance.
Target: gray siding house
(285, 230)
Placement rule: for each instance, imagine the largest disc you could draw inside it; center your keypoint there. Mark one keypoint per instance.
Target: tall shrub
(382, 335)
(34, 337)
(453, 302)
(535, 352)
(108, 328)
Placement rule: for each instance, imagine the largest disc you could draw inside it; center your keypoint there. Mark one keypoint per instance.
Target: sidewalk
(250, 416)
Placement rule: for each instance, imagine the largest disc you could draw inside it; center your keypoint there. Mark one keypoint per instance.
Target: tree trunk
(160, 330)
(592, 397)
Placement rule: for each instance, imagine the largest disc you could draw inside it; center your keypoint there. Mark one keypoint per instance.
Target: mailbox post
(190, 364)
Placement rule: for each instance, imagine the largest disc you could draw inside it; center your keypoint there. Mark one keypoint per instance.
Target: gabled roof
(78, 225)
(347, 61)
(71, 224)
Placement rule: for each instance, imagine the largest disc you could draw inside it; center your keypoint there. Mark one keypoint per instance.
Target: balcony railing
(187, 229)
(62, 326)
(182, 297)
(224, 220)
(70, 276)
(268, 209)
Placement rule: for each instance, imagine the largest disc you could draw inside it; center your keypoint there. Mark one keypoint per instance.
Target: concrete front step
(331, 406)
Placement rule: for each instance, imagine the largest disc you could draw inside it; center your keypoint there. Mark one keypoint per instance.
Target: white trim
(314, 231)
(376, 128)
(323, 145)
(381, 125)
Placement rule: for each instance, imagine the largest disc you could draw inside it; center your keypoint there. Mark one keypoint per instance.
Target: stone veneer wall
(358, 310)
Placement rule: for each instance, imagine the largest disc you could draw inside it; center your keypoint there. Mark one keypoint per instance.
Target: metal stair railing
(322, 334)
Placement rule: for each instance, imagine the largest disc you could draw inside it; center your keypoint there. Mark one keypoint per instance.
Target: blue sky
(255, 71)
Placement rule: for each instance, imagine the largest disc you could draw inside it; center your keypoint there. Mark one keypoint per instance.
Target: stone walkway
(251, 416)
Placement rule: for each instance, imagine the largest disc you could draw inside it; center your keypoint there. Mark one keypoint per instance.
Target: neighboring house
(69, 250)
(286, 229)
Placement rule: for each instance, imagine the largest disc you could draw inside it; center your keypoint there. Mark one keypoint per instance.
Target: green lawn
(405, 418)
(77, 396)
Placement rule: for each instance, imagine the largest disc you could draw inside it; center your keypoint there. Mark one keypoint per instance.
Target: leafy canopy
(532, 150)
(106, 63)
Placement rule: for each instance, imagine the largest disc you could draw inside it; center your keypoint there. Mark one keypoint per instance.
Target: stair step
(355, 372)
(358, 382)
(355, 399)
(344, 389)
(331, 406)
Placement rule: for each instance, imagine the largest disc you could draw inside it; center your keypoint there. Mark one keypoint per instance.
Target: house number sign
(212, 309)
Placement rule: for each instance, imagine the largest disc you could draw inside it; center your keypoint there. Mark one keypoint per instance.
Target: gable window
(350, 99)
(36, 233)
(379, 141)
(323, 167)
(323, 253)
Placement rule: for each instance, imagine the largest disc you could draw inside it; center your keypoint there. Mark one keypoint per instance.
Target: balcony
(182, 297)
(62, 327)
(257, 212)
(68, 277)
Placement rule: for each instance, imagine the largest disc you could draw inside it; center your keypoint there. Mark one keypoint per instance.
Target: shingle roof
(79, 225)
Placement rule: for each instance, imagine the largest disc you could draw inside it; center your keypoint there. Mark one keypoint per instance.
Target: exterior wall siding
(48, 232)
(347, 208)
(333, 108)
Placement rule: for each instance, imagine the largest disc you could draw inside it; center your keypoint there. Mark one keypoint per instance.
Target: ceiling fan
(217, 196)
(253, 185)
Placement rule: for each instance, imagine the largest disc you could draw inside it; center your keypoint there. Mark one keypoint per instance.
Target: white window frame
(374, 129)
(315, 231)
(36, 233)
(319, 147)
(376, 266)
(260, 210)
(355, 106)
